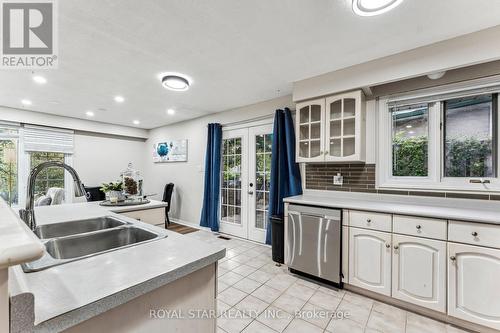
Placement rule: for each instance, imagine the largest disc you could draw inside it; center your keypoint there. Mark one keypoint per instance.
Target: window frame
(435, 180)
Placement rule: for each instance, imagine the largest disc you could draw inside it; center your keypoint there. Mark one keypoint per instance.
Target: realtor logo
(28, 34)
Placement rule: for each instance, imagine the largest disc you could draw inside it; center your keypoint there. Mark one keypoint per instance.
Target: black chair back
(167, 195)
(94, 193)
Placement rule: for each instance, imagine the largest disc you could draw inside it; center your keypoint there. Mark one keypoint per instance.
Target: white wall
(453, 53)
(100, 158)
(188, 176)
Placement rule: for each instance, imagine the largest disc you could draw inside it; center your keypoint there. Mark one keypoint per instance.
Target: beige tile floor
(256, 296)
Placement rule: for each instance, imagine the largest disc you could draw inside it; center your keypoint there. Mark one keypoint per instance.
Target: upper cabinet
(331, 129)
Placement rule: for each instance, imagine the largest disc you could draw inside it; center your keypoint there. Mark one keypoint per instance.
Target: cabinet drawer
(420, 227)
(369, 220)
(474, 233)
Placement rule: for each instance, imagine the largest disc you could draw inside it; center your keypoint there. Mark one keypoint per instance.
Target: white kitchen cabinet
(473, 284)
(309, 128)
(331, 129)
(345, 127)
(154, 216)
(419, 271)
(370, 260)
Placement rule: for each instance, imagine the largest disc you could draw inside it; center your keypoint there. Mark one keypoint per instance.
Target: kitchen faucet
(28, 214)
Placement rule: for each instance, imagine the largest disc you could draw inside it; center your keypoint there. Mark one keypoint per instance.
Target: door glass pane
(231, 184)
(315, 131)
(349, 126)
(349, 148)
(336, 110)
(315, 148)
(304, 132)
(304, 149)
(262, 176)
(349, 107)
(335, 147)
(469, 139)
(315, 113)
(410, 133)
(335, 128)
(304, 115)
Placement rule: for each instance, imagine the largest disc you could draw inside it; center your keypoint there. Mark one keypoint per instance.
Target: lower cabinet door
(419, 271)
(474, 284)
(370, 260)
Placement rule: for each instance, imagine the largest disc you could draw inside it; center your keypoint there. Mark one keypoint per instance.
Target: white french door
(245, 179)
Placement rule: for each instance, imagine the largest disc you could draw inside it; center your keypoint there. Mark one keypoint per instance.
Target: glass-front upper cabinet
(331, 129)
(345, 126)
(309, 128)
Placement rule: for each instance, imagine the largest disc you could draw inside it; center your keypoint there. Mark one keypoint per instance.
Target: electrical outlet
(338, 179)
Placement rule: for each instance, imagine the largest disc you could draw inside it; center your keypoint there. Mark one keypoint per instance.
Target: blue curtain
(210, 212)
(285, 173)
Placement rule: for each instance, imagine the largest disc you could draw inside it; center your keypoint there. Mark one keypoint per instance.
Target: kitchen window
(446, 140)
(9, 154)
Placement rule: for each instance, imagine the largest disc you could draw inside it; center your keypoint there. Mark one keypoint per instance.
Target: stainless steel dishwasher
(314, 242)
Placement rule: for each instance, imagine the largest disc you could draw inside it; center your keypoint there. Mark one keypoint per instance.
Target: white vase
(115, 196)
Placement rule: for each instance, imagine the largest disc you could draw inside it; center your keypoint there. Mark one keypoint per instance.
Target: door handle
(250, 192)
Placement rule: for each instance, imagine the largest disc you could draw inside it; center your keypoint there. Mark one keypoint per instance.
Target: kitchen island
(167, 284)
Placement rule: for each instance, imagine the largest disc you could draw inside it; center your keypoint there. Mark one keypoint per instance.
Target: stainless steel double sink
(75, 240)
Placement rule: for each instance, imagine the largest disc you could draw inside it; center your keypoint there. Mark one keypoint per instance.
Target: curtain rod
(251, 120)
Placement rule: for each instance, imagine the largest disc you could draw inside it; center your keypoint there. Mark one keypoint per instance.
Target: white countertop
(73, 292)
(482, 211)
(17, 243)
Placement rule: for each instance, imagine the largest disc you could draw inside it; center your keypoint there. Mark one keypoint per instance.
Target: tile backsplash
(357, 177)
(361, 178)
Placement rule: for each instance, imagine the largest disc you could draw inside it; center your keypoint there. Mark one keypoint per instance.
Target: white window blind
(37, 138)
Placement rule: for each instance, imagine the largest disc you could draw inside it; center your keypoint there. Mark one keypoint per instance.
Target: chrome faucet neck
(28, 214)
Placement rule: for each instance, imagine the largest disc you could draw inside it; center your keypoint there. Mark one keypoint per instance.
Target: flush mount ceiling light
(26, 102)
(171, 112)
(119, 99)
(374, 7)
(175, 81)
(136, 122)
(39, 79)
(436, 76)
(89, 113)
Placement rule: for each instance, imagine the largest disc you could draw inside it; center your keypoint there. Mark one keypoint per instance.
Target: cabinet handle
(452, 258)
(326, 152)
(321, 152)
(474, 234)
(396, 247)
(368, 220)
(419, 227)
(387, 245)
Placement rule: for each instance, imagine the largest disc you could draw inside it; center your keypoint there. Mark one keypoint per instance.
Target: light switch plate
(338, 179)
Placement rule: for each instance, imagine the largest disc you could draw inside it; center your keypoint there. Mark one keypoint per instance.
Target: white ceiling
(237, 52)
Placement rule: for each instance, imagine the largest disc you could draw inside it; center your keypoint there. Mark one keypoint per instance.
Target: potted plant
(113, 191)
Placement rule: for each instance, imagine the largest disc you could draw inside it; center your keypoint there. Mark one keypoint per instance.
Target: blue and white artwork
(170, 151)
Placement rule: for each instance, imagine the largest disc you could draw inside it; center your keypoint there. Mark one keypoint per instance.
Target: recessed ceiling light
(39, 79)
(171, 112)
(374, 7)
(26, 102)
(175, 81)
(119, 99)
(89, 113)
(136, 122)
